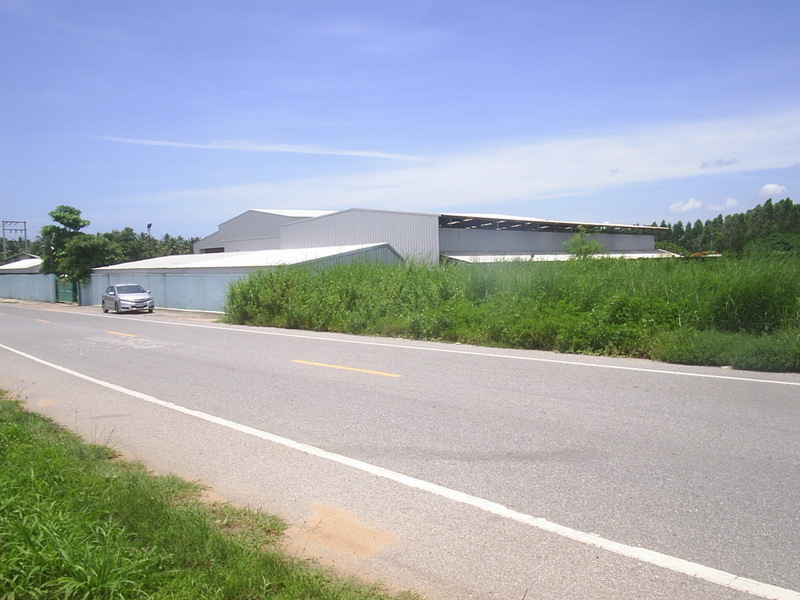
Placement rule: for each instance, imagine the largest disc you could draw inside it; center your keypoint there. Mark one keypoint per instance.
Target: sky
(184, 114)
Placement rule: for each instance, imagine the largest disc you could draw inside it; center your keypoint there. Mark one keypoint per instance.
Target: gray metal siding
(246, 230)
(259, 243)
(215, 240)
(492, 242)
(253, 224)
(413, 235)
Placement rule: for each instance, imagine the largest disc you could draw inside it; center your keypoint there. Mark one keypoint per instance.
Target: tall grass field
(742, 312)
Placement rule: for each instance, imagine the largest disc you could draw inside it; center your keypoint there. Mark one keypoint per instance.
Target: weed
(593, 306)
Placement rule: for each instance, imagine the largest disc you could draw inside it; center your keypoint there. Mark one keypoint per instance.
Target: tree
(54, 238)
(83, 253)
(581, 245)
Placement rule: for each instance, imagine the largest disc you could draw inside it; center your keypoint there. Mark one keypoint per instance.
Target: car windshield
(130, 289)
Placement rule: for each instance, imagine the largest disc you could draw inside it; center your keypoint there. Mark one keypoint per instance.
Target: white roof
(297, 214)
(25, 263)
(254, 258)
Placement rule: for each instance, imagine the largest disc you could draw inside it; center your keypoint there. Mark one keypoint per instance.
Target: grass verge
(76, 523)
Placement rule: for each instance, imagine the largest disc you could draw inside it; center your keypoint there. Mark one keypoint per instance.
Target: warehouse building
(263, 239)
(428, 237)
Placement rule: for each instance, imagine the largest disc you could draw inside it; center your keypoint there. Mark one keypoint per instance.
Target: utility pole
(18, 227)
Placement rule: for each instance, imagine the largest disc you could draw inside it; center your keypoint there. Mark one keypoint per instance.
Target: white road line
(446, 350)
(258, 331)
(756, 588)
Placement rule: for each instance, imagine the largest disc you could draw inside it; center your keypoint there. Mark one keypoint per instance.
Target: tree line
(769, 227)
(68, 252)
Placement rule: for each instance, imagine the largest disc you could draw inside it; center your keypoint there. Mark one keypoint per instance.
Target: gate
(66, 291)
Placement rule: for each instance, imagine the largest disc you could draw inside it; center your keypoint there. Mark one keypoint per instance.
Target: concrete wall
(205, 289)
(28, 286)
(188, 291)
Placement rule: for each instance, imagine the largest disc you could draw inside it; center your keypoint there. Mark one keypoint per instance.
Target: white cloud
(247, 146)
(537, 170)
(727, 205)
(773, 190)
(690, 204)
(722, 162)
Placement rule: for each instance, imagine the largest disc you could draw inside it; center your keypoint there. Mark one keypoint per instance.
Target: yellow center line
(125, 334)
(43, 320)
(316, 364)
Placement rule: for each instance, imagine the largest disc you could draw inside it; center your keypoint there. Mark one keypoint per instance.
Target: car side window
(110, 290)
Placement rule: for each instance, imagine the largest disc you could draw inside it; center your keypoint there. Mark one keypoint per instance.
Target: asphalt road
(457, 471)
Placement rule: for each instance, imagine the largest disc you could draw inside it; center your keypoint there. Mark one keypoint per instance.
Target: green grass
(77, 524)
(743, 312)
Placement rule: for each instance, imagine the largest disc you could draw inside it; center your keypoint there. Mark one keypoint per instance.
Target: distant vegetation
(768, 227)
(66, 250)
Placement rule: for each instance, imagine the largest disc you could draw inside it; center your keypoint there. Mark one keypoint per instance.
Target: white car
(127, 297)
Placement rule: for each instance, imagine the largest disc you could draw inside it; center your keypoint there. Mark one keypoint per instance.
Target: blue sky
(184, 114)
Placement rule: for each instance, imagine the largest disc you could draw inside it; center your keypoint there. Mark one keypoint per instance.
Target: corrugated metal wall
(414, 235)
(246, 231)
(479, 242)
(260, 243)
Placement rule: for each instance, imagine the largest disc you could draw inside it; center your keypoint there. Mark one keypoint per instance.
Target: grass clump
(76, 524)
(743, 312)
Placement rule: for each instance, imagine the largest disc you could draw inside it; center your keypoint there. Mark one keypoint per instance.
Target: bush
(778, 352)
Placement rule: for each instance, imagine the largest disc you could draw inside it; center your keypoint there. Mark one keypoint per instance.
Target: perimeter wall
(28, 286)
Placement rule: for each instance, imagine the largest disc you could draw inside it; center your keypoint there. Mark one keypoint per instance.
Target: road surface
(456, 471)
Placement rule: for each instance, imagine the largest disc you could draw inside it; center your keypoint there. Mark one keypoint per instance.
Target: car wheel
(150, 310)
(116, 307)
(103, 304)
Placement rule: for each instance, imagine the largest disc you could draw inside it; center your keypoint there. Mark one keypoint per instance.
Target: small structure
(20, 280)
(24, 263)
(201, 281)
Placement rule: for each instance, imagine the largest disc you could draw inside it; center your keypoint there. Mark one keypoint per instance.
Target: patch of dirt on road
(336, 531)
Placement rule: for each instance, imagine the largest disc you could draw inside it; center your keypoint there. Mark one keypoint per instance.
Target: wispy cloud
(691, 204)
(246, 146)
(729, 204)
(540, 170)
(722, 162)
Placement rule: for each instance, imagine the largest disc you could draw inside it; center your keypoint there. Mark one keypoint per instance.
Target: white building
(264, 239)
(428, 237)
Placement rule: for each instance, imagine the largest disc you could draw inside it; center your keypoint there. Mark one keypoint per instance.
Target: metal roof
(243, 259)
(295, 214)
(478, 220)
(498, 221)
(25, 264)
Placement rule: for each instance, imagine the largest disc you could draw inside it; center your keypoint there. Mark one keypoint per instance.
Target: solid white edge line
(262, 331)
(665, 561)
